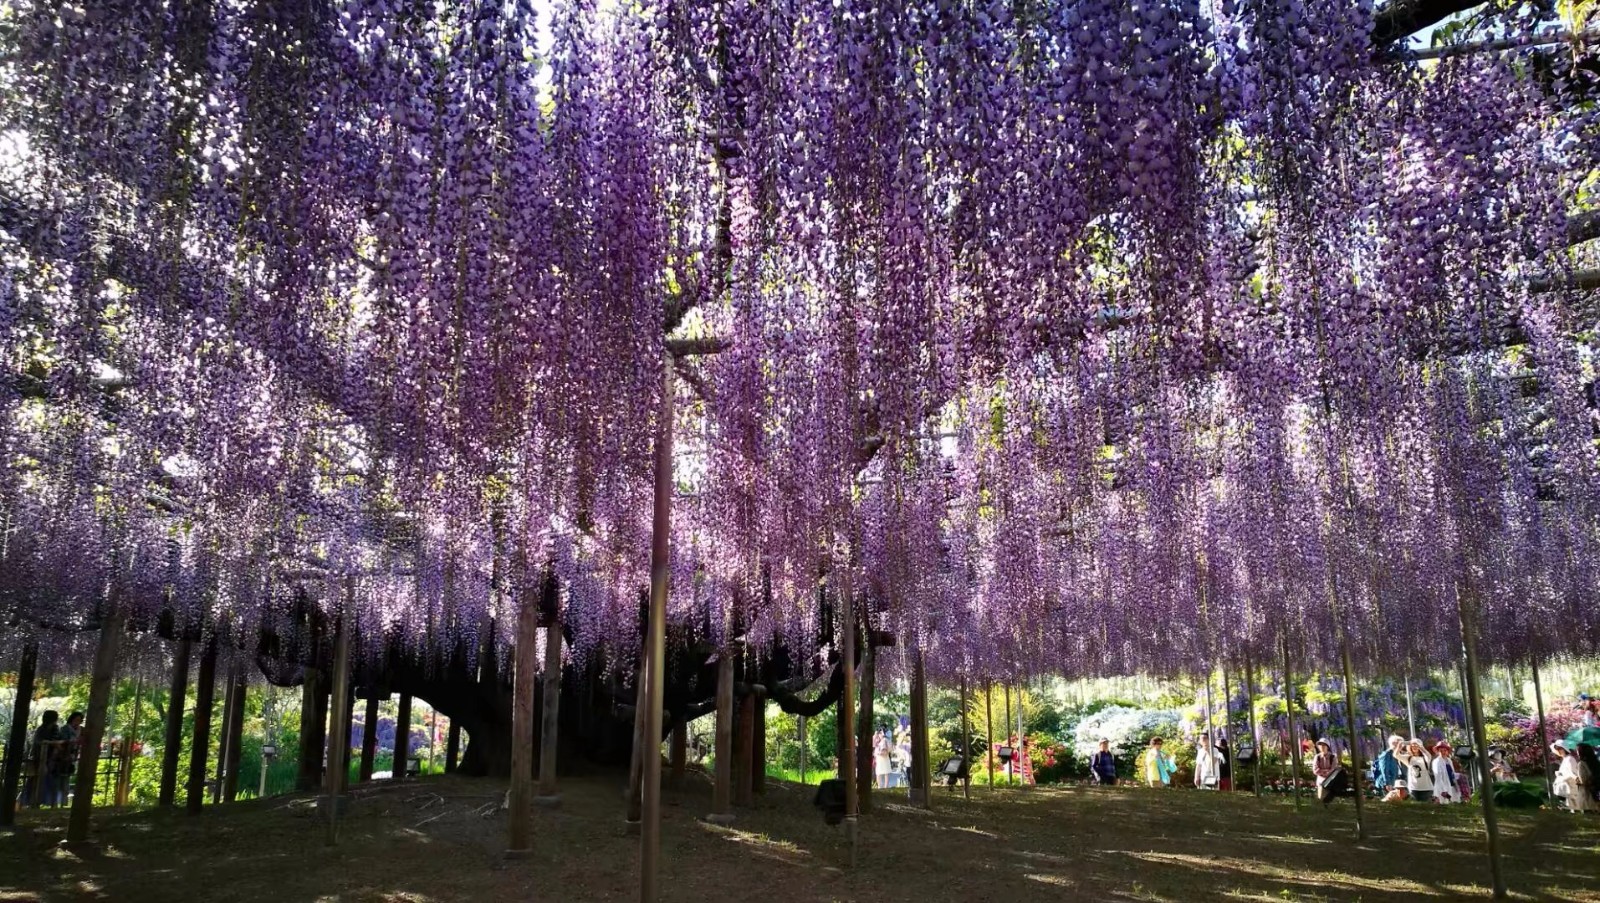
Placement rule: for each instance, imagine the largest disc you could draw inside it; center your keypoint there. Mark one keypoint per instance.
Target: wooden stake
(1544, 736)
(200, 746)
(847, 709)
(369, 738)
(520, 821)
(921, 793)
(235, 737)
(660, 574)
(94, 723)
(172, 742)
(966, 742)
(550, 727)
(336, 774)
(402, 736)
(17, 738)
(722, 791)
(1466, 606)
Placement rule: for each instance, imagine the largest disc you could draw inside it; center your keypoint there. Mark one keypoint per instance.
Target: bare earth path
(427, 841)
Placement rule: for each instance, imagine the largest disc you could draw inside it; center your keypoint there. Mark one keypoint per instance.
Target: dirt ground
(427, 840)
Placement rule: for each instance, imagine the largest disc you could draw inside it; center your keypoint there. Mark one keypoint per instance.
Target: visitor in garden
(1445, 790)
(1331, 781)
(67, 753)
(1103, 765)
(1207, 764)
(1158, 766)
(1419, 772)
(1387, 776)
(902, 760)
(1574, 780)
(1226, 769)
(1591, 712)
(882, 757)
(41, 785)
(1591, 761)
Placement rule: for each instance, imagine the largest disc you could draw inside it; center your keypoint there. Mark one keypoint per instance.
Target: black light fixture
(1006, 754)
(954, 769)
(268, 751)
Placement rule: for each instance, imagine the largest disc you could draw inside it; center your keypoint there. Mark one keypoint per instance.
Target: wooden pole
(722, 790)
(1227, 726)
(966, 742)
(222, 739)
(847, 708)
(1294, 733)
(1011, 768)
(865, 770)
(402, 736)
(1354, 720)
(369, 737)
(452, 747)
(1466, 606)
(1411, 714)
(1544, 736)
(660, 574)
(172, 740)
(920, 794)
(641, 698)
(200, 745)
(235, 737)
(347, 729)
(800, 728)
(94, 723)
(520, 822)
(1255, 735)
(17, 737)
(125, 761)
(988, 729)
(550, 726)
(743, 744)
(339, 748)
(313, 729)
(758, 745)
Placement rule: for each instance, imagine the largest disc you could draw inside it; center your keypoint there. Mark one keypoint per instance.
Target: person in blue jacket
(1386, 767)
(1103, 765)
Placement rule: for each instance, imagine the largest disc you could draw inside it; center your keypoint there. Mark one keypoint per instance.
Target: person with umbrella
(1574, 780)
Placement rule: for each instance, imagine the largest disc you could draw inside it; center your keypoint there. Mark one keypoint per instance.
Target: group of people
(1213, 764)
(1577, 780)
(1411, 770)
(52, 759)
(891, 758)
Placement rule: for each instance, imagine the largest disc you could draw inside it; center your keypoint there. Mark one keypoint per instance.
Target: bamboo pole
(550, 726)
(1544, 736)
(1255, 735)
(1467, 609)
(200, 746)
(222, 739)
(519, 828)
(988, 729)
(335, 776)
(863, 761)
(1227, 726)
(660, 574)
(172, 742)
(235, 738)
(635, 814)
(805, 764)
(17, 737)
(1011, 767)
(966, 742)
(1294, 733)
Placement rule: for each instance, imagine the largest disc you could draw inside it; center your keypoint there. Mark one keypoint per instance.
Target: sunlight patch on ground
(762, 844)
(1053, 880)
(1261, 869)
(1288, 838)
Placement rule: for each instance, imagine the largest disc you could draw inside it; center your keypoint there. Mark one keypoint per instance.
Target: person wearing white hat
(1444, 774)
(1574, 781)
(1419, 771)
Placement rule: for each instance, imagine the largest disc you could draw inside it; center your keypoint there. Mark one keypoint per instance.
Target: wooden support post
(1544, 736)
(17, 737)
(172, 742)
(125, 760)
(1011, 768)
(722, 791)
(678, 755)
(1411, 713)
(94, 722)
(743, 745)
(966, 741)
(1250, 710)
(758, 745)
(520, 824)
(313, 730)
(847, 708)
(200, 746)
(656, 629)
(1294, 733)
(805, 753)
(336, 773)
(921, 792)
(235, 738)
(1467, 608)
(550, 726)
(865, 754)
(369, 737)
(1354, 719)
(988, 729)
(1227, 728)
(635, 814)
(221, 774)
(402, 735)
(452, 747)
(347, 729)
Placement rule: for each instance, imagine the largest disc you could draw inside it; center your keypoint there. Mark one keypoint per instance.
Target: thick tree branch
(1399, 19)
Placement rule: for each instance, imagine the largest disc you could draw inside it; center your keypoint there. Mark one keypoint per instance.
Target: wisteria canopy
(1090, 336)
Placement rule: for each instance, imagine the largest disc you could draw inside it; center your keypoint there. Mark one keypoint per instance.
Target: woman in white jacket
(1445, 790)
(1574, 782)
(1207, 764)
(1419, 771)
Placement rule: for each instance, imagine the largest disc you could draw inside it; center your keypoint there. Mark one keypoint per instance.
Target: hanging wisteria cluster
(1082, 336)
